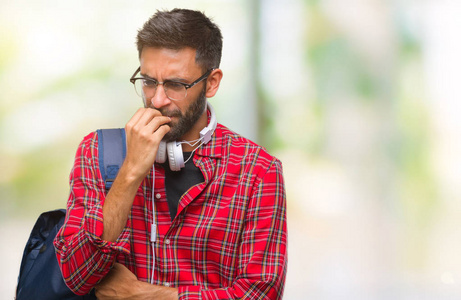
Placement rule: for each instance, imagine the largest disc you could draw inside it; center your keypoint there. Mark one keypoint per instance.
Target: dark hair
(181, 28)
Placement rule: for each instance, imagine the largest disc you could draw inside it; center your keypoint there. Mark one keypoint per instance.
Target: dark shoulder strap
(112, 152)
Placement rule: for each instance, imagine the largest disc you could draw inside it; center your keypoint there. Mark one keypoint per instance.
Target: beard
(187, 119)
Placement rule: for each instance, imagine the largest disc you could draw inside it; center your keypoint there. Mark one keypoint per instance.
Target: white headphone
(173, 150)
(176, 161)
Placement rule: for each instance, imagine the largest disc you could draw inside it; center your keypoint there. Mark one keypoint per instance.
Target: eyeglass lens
(147, 88)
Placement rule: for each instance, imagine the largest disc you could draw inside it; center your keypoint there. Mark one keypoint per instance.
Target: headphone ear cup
(161, 153)
(175, 156)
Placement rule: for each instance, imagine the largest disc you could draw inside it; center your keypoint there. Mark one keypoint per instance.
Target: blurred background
(358, 98)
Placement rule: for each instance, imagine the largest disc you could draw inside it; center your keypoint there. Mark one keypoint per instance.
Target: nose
(160, 98)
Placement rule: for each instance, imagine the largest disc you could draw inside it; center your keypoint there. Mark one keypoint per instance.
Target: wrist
(130, 177)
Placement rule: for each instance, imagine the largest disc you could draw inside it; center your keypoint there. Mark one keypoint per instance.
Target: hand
(117, 284)
(144, 131)
(121, 283)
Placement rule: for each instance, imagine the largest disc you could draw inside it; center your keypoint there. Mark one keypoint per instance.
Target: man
(215, 229)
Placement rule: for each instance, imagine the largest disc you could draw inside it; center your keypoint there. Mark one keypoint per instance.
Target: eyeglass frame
(186, 85)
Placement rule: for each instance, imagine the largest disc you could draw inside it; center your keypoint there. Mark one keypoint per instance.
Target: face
(182, 122)
(186, 115)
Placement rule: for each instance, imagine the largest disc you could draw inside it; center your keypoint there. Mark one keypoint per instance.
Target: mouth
(172, 114)
(173, 121)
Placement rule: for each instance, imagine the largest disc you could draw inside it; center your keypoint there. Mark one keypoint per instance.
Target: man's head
(182, 28)
(179, 55)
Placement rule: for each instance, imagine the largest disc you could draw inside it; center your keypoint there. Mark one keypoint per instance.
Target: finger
(161, 131)
(153, 134)
(146, 132)
(148, 115)
(142, 117)
(137, 115)
(156, 123)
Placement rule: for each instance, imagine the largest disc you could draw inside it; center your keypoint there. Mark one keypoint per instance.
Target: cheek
(179, 108)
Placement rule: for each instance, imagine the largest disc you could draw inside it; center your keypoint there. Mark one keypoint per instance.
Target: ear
(213, 82)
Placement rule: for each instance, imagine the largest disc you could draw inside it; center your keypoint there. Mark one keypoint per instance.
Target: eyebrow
(181, 80)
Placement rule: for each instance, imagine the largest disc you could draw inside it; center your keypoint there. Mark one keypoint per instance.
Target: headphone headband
(207, 132)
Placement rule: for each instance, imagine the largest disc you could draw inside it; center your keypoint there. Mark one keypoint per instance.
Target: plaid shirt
(228, 239)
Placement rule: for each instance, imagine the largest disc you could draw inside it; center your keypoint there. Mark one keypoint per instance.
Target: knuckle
(135, 130)
(128, 127)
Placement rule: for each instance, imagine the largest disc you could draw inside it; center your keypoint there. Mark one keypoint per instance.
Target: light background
(358, 98)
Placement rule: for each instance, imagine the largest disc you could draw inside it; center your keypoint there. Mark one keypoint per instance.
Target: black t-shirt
(178, 182)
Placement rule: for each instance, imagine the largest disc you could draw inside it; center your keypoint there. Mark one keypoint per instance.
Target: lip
(173, 120)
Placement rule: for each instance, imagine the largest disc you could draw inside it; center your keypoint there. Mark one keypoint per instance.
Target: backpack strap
(112, 152)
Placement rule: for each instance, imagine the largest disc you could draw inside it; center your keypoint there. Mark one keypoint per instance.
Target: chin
(168, 139)
(172, 135)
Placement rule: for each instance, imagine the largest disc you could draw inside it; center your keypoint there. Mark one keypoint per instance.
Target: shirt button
(158, 196)
(167, 241)
(167, 284)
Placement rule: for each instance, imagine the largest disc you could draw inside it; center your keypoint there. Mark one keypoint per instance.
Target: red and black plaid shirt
(228, 239)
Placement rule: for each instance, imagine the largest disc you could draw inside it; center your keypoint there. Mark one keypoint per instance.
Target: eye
(149, 83)
(174, 86)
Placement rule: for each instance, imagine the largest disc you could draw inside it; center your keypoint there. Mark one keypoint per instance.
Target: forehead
(163, 62)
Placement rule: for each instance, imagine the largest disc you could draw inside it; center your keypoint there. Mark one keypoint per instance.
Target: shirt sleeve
(84, 258)
(263, 250)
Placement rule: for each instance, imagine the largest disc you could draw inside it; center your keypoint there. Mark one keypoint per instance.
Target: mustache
(165, 112)
(170, 113)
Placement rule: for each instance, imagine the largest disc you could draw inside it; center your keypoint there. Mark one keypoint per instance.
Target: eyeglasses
(174, 90)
